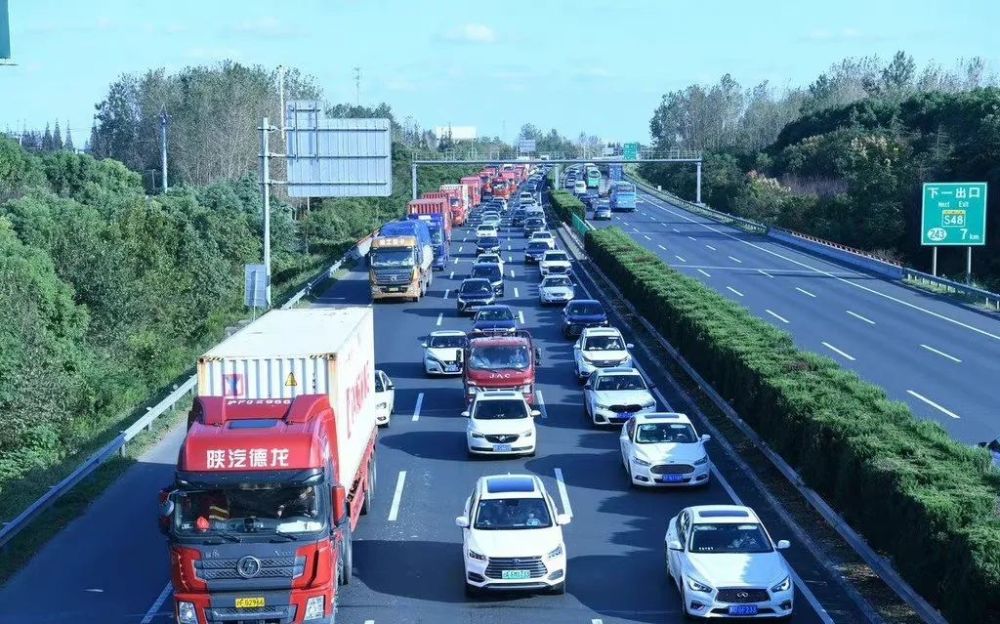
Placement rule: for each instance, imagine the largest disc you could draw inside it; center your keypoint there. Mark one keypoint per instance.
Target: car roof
(578, 302)
(510, 486)
(717, 514)
(617, 370)
(475, 279)
(542, 234)
(555, 251)
(496, 306)
(448, 332)
(600, 331)
(673, 417)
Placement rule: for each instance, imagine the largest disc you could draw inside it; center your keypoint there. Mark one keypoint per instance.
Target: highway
(931, 353)
(110, 566)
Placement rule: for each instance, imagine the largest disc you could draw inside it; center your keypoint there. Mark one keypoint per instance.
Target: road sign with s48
(954, 213)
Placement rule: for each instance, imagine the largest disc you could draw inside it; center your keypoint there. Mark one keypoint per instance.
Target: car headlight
(642, 462)
(555, 552)
(430, 358)
(526, 434)
(702, 461)
(381, 405)
(460, 301)
(602, 406)
(186, 613)
(476, 435)
(477, 556)
(698, 587)
(471, 390)
(314, 608)
(783, 586)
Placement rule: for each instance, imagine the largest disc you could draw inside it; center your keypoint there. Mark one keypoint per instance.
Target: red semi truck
(502, 361)
(276, 469)
(458, 195)
(475, 185)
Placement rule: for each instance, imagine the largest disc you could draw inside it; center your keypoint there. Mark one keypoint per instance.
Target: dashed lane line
(805, 292)
(942, 353)
(416, 408)
(860, 318)
(838, 351)
(777, 316)
(397, 496)
(704, 272)
(933, 404)
(733, 290)
(563, 494)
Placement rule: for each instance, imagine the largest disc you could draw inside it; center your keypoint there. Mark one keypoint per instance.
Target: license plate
(502, 448)
(672, 478)
(515, 575)
(749, 609)
(396, 289)
(451, 368)
(626, 415)
(255, 602)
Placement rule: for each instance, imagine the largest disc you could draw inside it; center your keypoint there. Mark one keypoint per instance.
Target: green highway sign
(630, 151)
(954, 214)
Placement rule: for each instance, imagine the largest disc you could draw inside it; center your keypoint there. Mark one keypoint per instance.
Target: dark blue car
(474, 293)
(582, 313)
(494, 318)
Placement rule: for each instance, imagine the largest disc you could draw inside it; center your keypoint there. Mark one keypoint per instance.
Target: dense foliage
(566, 205)
(868, 456)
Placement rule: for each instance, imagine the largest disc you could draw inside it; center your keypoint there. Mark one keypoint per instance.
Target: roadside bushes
(566, 205)
(914, 493)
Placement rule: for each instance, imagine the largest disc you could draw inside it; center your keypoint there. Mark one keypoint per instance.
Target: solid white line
(805, 292)
(710, 247)
(567, 509)
(859, 317)
(520, 316)
(155, 609)
(780, 318)
(932, 403)
(662, 247)
(440, 317)
(646, 237)
(704, 272)
(446, 291)
(452, 276)
(731, 289)
(541, 401)
(837, 351)
(736, 260)
(763, 272)
(416, 408)
(942, 353)
(397, 496)
(680, 258)
(692, 238)
(516, 294)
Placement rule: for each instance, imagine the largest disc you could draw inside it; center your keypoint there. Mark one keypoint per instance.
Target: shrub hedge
(566, 205)
(927, 501)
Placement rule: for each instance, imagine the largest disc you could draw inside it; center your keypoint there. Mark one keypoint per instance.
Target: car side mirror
(538, 355)
(390, 385)
(465, 414)
(167, 506)
(462, 522)
(784, 544)
(675, 545)
(705, 437)
(563, 519)
(535, 413)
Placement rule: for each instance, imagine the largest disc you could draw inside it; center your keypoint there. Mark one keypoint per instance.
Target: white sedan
(663, 449)
(385, 398)
(500, 423)
(491, 258)
(484, 231)
(725, 564)
(556, 289)
(555, 262)
(545, 236)
(443, 352)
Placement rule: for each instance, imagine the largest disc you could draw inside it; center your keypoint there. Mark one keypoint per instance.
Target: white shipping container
(287, 353)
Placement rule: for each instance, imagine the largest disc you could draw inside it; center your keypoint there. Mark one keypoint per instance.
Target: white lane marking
(780, 318)
(842, 279)
(563, 494)
(541, 401)
(704, 272)
(736, 260)
(861, 318)
(837, 351)
(942, 353)
(440, 318)
(646, 237)
(446, 291)
(520, 316)
(692, 238)
(680, 258)
(763, 272)
(512, 273)
(676, 230)
(516, 294)
(932, 403)
(155, 609)
(662, 247)
(452, 276)
(805, 292)
(456, 259)
(510, 258)
(508, 247)
(733, 290)
(460, 248)
(397, 496)
(596, 621)
(710, 247)
(416, 408)
(369, 621)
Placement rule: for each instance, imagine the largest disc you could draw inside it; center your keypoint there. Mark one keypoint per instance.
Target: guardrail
(747, 225)
(835, 251)
(117, 445)
(990, 299)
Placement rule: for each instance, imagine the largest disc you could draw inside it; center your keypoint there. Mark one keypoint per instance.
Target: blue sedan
(582, 313)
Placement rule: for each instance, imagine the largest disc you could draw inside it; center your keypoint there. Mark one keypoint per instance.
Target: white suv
(725, 564)
(512, 536)
(554, 262)
(663, 449)
(500, 423)
(600, 347)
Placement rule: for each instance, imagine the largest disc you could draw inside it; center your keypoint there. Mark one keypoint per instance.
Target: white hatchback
(663, 449)
(443, 350)
(500, 423)
(512, 536)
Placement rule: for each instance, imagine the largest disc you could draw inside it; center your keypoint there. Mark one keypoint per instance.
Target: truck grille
(272, 568)
(741, 595)
(618, 409)
(391, 277)
(501, 438)
(263, 615)
(672, 469)
(498, 564)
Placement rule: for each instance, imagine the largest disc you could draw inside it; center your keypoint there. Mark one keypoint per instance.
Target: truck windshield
(436, 238)
(492, 357)
(392, 257)
(245, 509)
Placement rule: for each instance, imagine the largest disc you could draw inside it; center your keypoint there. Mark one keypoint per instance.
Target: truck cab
(505, 361)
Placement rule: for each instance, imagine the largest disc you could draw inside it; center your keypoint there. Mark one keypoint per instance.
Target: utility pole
(164, 122)
(281, 100)
(357, 86)
(265, 189)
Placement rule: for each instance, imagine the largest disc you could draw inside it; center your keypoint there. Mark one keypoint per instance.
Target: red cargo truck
(501, 361)
(434, 202)
(458, 195)
(277, 467)
(475, 185)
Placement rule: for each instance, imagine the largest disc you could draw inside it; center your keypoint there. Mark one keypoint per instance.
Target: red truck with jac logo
(504, 360)
(276, 469)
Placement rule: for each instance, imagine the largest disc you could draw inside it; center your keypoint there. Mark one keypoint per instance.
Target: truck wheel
(366, 506)
(346, 555)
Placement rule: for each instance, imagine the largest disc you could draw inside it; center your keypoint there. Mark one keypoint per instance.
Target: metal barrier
(842, 253)
(117, 445)
(990, 299)
(581, 226)
(747, 225)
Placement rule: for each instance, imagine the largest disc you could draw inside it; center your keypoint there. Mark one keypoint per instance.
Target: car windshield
(729, 538)
(250, 509)
(661, 432)
(448, 342)
(533, 221)
(488, 241)
(487, 271)
(554, 282)
(488, 259)
(537, 245)
(620, 382)
(391, 257)
(588, 309)
(509, 514)
(498, 314)
(541, 236)
(556, 257)
(490, 357)
(475, 288)
(500, 409)
(604, 343)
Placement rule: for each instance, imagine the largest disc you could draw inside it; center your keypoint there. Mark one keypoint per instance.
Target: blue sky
(598, 66)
